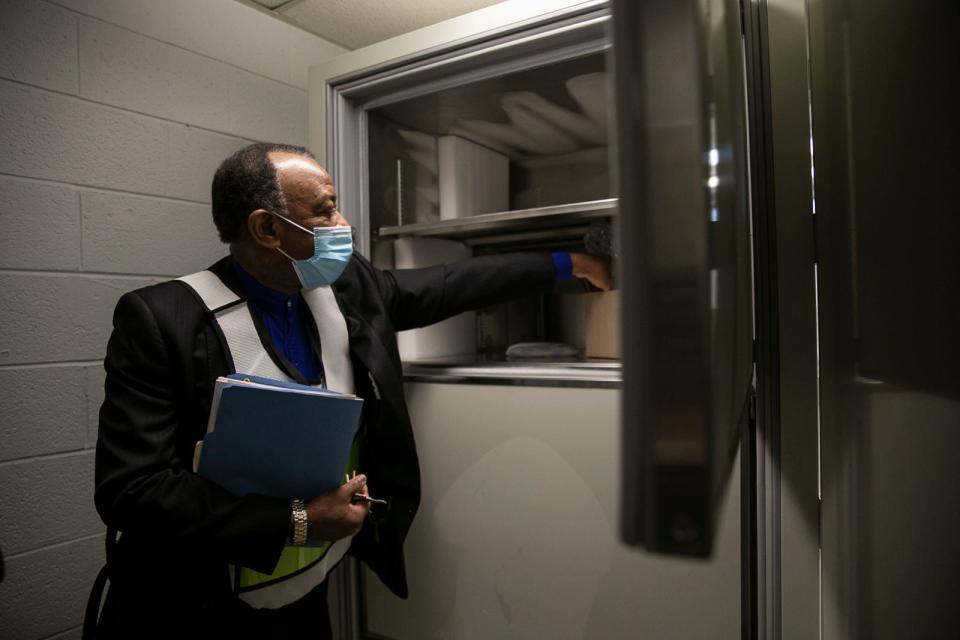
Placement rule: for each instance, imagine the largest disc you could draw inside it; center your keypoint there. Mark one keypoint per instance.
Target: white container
(473, 179)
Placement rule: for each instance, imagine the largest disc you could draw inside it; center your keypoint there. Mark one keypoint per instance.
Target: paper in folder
(276, 438)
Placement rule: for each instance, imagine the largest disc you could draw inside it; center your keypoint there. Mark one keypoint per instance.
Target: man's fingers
(601, 283)
(356, 482)
(599, 276)
(596, 270)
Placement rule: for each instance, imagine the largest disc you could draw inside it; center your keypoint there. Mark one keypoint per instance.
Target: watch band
(298, 519)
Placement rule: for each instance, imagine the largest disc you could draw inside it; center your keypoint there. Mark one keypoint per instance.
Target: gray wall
(113, 116)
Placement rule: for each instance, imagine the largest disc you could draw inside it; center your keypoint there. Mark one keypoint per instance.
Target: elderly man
(291, 301)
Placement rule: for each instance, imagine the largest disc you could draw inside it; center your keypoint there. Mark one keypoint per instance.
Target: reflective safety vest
(300, 569)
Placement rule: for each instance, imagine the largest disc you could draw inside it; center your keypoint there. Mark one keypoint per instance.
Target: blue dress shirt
(280, 314)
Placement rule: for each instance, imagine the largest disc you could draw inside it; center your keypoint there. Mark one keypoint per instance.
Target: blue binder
(277, 438)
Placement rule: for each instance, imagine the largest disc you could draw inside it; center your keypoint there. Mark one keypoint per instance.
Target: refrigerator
(721, 447)
(498, 132)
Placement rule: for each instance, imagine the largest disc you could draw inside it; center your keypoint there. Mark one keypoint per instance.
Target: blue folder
(277, 438)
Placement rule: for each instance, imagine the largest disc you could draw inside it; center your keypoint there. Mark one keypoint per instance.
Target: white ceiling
(357, 23)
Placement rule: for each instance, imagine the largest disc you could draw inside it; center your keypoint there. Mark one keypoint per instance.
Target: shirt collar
(263, 296)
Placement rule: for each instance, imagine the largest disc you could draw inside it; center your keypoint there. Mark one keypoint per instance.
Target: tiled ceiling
(357, 23)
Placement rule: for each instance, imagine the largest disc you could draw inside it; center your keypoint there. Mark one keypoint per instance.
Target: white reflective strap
(245, 345)
(237, 326)
(210, 288)
(278, 594)
(334, 341)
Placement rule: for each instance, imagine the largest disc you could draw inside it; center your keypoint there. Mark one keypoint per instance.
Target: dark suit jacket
(179, 530)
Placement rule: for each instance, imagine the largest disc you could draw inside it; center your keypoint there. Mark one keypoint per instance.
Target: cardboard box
(603, 324)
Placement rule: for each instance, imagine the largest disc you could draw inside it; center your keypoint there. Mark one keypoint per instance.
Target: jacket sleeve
(142, 483)
(419, 297)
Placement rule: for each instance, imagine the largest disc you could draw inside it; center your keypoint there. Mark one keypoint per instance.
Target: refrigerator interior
(511, 163)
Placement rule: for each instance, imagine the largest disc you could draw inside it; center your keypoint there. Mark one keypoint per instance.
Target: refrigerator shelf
(595, 373)
(497, 223)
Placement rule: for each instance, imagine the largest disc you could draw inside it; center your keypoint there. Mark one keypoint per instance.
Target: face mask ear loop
(286, 255)
(299, 226)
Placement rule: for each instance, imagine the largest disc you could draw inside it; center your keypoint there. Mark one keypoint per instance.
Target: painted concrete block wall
(114, 115)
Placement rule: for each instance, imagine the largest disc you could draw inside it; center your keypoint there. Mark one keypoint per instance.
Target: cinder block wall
(113, 116)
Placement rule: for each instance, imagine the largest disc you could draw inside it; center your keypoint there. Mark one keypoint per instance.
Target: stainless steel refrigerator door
(885, 147)
(686, 264)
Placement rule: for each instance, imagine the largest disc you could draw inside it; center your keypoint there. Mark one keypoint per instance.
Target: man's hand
(595, 270)
(334, 515)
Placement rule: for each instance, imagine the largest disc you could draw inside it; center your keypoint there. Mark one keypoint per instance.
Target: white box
(473, 179)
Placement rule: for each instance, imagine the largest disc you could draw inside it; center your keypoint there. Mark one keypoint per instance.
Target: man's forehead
(294, 163)
(300, 177)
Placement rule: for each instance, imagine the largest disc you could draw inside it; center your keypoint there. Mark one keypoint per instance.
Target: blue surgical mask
(332, 248)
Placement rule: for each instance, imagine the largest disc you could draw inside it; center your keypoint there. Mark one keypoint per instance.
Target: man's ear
(263, 228)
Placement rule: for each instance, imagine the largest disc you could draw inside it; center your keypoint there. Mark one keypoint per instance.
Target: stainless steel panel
(792, 578)
(885, 155)
(894, 64)
(517, 531)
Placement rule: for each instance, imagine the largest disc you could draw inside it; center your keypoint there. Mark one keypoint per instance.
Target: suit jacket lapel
(367, 348)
